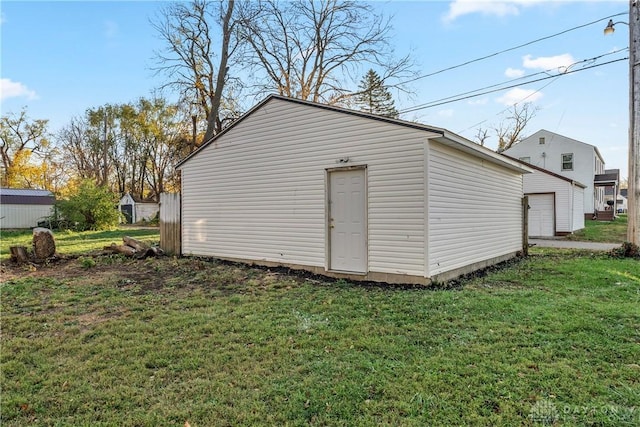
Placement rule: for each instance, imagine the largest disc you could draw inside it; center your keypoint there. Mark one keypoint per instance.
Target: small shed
(136, 210)
(348, 194)
(24, 208)
(556, 203)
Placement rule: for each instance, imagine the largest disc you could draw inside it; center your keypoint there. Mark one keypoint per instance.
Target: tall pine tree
(373, 96)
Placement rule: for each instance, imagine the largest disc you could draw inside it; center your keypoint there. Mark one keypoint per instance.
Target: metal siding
(258, 191)
(23, 216)
(486, 219)
(8, 199)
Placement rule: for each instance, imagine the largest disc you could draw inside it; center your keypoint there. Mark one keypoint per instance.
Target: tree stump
(19, 254)
(44, 245)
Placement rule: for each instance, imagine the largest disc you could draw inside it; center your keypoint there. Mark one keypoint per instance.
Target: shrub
(91, 208)
(627, 250)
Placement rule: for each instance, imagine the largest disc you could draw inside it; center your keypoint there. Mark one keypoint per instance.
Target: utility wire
(461, 98)
(528, 77)
(510, 49)
(523, 99)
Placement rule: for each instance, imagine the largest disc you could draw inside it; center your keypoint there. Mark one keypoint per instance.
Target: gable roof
(446, 137)
(26, 196)
(548, 172)
(547, 132)
(136, 199)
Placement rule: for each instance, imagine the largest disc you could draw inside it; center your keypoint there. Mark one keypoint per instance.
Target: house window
(567, 162)
(541, 140)
(525, 159)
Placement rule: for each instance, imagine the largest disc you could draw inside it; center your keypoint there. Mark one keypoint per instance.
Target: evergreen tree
(373, 97)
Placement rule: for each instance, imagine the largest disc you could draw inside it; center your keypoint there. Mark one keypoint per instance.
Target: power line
(461, 98)
(523, 99)
(510, 82)
(509, 49)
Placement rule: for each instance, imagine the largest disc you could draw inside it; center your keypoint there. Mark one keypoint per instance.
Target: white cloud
(459, 8)
(445, 113)
(517, 95)
(482, 101)
(559, 62)
(11, 89)
(513, 73)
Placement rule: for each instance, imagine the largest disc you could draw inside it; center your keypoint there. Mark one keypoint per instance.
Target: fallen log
(136, 244)
(121, 249)
(151, 252)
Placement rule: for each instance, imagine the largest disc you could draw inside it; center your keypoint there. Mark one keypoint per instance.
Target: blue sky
(60, 58)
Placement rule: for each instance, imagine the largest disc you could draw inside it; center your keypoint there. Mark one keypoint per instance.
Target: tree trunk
(212, 120)
(121, 249)
(135, 244)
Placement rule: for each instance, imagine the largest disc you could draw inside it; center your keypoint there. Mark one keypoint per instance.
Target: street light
(633, 227)
(611, 26)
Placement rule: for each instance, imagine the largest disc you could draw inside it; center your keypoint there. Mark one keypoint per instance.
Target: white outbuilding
(349, 194)
(136, 210)
(556, 203)
(24, 208)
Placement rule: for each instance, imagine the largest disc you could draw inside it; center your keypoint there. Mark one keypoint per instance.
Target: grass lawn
(550, 340)
(603, 231)
(77, 243)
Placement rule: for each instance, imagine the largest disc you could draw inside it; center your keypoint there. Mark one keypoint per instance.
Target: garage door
(541, 215)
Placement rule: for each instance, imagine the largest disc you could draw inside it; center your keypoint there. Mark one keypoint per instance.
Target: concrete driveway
(569, 244)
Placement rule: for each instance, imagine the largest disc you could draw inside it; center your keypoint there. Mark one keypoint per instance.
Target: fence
(170, 230)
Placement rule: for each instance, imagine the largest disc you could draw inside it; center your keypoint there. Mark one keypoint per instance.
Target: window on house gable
(567, 162)
(541, 140)
(525, 159)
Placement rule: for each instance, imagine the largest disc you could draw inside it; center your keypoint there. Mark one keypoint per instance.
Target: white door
(541, 215)
(347, 221)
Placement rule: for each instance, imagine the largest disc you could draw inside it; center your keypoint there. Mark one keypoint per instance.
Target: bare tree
(82, 153)
(313, 50)
(481, 136)
(510, 131)
(189, 58)
(142, 141)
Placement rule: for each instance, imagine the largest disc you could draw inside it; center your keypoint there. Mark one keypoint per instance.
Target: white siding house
(348, 194)
(23, 208)
(556, 203)
(567, 157)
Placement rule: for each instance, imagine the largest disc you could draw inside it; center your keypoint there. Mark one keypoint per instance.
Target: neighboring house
(349, 194)
(556, 203)
(567, 157)
(136, 210)
(610, 180)
(622, 201)
(24, 208)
